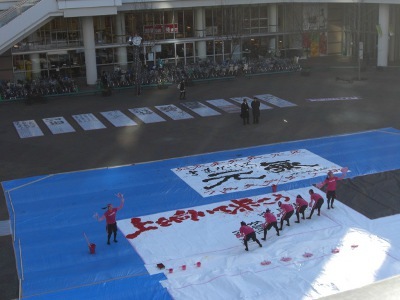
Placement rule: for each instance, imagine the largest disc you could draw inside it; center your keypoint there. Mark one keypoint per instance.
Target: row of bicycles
(160, 75)
(14, 90)
(175, 73)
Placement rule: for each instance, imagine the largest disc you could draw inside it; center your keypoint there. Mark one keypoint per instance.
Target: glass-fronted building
(81, 40)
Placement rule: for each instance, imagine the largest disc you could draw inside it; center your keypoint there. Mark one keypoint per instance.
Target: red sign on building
(159, 28)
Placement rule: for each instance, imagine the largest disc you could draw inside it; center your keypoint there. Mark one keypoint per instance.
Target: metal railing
(14, 11)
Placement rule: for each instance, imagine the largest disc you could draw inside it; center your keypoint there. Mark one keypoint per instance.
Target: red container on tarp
(274, 188)
(92, 248)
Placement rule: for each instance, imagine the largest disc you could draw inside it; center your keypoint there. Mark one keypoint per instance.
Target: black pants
(330, 196)
(256, 118)
(286, 217)
(318, 206)
(299, 211)
(269, 226)
(111, 228)
(251, 236)
(246, 119)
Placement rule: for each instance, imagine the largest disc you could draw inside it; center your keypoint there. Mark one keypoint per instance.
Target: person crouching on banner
(270, 221)
(248, 233)
(318, 201)
(110, 216)
(287, 212)
(301, 206)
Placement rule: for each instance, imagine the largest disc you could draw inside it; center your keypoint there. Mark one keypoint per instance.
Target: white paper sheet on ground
(200, 109)
(328, 254)
(254, 172)
(118, 119)
(334, 99)
(28, 128)
(58, 125)
(88, 121)
(146, 115)
(224, 105)
(249, 100)
(271, 99)
(174, 112)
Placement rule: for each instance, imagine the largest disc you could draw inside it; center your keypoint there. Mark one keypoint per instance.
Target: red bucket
(92, 248)
(274, 188)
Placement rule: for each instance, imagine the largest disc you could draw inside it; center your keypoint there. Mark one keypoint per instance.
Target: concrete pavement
(378, 108)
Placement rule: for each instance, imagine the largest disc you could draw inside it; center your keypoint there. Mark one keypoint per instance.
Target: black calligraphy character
(283, 165)
(227, 177)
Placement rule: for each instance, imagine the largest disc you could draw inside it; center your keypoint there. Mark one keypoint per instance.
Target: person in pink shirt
(110, 216)
(330, 181)
(270, 221)
(301, 206)
(287, 212)
(248, 233)
(316, 202)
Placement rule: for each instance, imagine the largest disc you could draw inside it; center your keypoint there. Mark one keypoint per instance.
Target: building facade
(77, 38)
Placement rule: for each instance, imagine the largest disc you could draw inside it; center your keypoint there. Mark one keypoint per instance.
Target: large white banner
(253, 172)
(195, 231)
(164, 236)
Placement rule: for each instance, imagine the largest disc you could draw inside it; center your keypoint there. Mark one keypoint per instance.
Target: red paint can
(92, 248)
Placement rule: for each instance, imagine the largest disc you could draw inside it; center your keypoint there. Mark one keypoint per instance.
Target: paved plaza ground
(377, 107)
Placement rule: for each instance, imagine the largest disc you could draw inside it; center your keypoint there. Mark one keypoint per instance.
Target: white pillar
(90, 51)
(201, 48)
(121, 39)
(383, 37)
(34, 57)
(272, 24)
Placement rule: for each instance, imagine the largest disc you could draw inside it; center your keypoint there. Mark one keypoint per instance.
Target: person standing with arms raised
(331, 181)
(110, 216)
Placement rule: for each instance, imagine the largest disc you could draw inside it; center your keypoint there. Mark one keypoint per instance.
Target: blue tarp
(52, 212)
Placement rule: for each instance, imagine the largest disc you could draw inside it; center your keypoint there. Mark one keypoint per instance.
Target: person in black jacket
(182, 90)
(245, 112)
(255, 106)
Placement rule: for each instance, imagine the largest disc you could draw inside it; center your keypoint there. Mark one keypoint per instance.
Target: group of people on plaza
(245, 111)
(299, 207)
